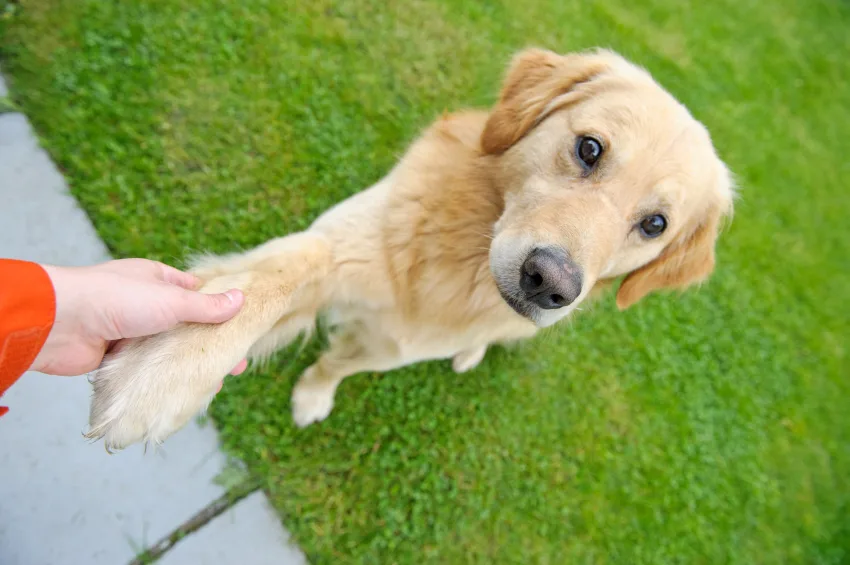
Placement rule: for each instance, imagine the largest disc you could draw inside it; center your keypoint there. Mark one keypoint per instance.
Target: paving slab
(63, 500)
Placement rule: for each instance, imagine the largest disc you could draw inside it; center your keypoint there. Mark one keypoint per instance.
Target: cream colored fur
(416, 266)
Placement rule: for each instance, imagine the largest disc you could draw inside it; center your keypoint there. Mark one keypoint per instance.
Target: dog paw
(151, 387)
(311, 402)
(469, 359)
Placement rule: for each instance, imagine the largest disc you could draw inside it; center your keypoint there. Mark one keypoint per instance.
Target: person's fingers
(145, 268)
(190, 306)
(177, 277)
(237, 370)
(134, 267)
(240, 367)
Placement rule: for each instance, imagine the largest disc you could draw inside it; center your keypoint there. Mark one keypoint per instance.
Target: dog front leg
(150, 387)
(468, 359)
(351, 352)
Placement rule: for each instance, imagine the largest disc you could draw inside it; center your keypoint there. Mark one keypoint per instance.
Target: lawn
(712, 427)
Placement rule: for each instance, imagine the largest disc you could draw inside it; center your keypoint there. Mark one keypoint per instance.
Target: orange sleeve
(27, 310)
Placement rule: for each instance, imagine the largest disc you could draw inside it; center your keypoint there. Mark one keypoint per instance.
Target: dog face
(604, 174)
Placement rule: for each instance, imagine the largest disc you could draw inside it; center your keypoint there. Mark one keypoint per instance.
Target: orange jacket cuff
(27, 311)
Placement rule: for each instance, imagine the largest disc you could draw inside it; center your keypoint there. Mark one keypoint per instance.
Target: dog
(491, 226)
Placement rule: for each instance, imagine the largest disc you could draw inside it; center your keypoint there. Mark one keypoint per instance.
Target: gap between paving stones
(199, 520)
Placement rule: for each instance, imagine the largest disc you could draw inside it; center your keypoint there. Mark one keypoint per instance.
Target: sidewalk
(62, 499)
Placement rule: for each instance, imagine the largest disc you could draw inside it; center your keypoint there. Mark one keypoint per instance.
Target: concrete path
(63, 500)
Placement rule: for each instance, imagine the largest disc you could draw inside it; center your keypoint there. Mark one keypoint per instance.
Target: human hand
(98, 306)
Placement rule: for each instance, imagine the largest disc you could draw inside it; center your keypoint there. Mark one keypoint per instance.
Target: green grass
(708, 428)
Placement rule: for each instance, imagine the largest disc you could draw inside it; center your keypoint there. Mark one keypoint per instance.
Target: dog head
(604, 174)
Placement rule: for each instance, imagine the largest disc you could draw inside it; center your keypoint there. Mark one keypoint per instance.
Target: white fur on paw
(152, 387)
(467, 360)
(311, 403)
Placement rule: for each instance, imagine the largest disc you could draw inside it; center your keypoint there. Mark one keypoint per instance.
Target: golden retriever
(491, 226)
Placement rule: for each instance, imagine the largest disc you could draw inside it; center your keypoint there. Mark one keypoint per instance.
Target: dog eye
(652, 226)
(588, 151)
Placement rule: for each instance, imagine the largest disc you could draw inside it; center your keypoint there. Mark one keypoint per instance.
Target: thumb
(203, 308)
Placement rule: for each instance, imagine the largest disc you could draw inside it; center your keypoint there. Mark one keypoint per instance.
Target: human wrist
(70, 325)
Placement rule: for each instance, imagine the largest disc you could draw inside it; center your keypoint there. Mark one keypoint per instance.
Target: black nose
(549, 278)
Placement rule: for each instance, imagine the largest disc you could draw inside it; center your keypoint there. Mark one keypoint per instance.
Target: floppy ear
(684, 263)
(535, 78)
